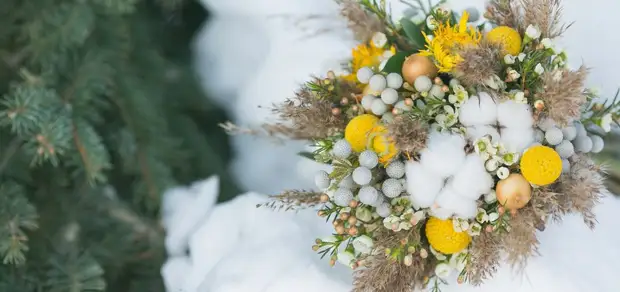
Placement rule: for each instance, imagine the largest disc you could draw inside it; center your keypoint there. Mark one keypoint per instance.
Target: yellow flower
(442, 237)
(358, 131)
(365, 55)
(447, 41)
(383, 145)
(541, 165)
(508, 37)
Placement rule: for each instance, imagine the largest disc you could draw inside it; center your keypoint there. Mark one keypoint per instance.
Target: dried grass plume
(479, 63)
(544, 14)
(362, 23)
(409, 135)
(563, 94)
(484, 258)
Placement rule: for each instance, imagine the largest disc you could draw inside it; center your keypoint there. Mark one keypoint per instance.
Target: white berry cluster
(369, 184)
(388, 98)
(446, 179)
(567, 140)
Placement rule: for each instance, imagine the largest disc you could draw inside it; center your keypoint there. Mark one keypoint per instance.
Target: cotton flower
(532, 32)
(450, 202)
(478, 132)
(517, 139)
(509, 59)
(514, 115)
(363, 244)
(443, 271)
(444, 153)
(422, 185)
(606, 122)
(478, 110)
(472, 180)
(539, 69)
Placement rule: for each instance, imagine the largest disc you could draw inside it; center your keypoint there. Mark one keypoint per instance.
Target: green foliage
(100, 113)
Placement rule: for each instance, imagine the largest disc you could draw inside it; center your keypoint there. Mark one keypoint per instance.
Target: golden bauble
(514, 192)
(416, 66)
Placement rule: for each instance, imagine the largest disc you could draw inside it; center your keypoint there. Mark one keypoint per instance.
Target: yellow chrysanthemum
(358, 131)
(508, 37)
(383, 145)
(366, 55)
(442, 237)
(446, 42)
(541, 165)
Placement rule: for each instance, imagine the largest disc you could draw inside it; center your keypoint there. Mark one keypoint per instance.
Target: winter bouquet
(450, 144)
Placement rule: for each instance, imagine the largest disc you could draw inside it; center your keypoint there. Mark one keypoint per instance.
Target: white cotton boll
(546, 124)
(384, 210)
(441, 213)
(517, 139)
(367, 101)
(321, 180)
(342, 197)
(368, 159)
(472, 179)
(581, 130)
(377, 82)
(394, 80)
(392, 188)
(570, 133)
(554, 136)
(364, 74)
(389, 96)
(539, 135)
(444, 153)
(565, 166)
(423, 83)
(477, 132)
(395, 169)
(449, 199)
(478, 110)
(565, 149)
(512, 114)
(597, 143)
(378, 107)
(422, 185)
(368, 195)
(467, 210)
(583, 144)
(362, 176)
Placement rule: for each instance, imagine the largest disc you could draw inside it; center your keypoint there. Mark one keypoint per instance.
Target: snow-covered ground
(254, 53)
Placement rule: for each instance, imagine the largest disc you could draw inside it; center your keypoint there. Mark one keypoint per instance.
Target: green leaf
(413, 32)
(395, 63)
(308, 155)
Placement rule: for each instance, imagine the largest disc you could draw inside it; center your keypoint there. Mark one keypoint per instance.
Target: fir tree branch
(14, 146)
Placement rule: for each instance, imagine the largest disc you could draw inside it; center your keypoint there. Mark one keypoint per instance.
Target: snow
(253, 53)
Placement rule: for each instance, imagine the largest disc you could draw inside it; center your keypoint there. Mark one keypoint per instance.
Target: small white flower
(510, 158)
(379, 39)
(493, 217)
(418, 217)
(513, 74)
(438, 255)
(448, 118)
(521, 57)
(520, 97)
(475, 229)
(346, 258)
(363, 244)
(329, 239)
(460, 225)
(493, 82)
(503, 172)
(461, 94)
(532, 32)
(491, 197)
(443, 271)
(548, 44)
(606, 122)
(458, 261)
(509, 59)
(492, 164)
(408, 260)
(539, 69)
(431, 22)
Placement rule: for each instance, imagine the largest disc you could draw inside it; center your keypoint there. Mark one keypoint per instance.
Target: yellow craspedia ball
(541, 165)
(358, 130)
(443, 238)
(383, 144)
(507, 36)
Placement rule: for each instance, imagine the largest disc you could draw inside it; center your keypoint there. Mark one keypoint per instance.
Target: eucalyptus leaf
(413, 32)
(395, 63)
(308, 155)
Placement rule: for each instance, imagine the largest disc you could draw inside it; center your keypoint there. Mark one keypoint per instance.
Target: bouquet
(450, 144)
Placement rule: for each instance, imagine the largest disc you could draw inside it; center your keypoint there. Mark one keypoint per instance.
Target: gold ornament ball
(514, 192)
(416, 66)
